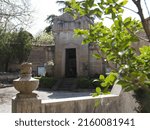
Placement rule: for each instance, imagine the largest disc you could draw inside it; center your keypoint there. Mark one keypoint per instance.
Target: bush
(85, 83)
(47, 82)
(142, 96)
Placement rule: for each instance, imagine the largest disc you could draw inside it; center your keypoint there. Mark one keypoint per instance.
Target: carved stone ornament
(26, 84)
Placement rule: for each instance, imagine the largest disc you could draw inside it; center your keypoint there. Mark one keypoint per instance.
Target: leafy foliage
(142, 96)
(115, 43)
(23, 44)
(50, 19)
(6, 53)
(14, 46)
(64, 3)
(44, 37)
(47, 82)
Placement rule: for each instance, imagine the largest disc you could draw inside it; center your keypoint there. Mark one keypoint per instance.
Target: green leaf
(110, 57)
(86, 41)
(91, 3)
(124, 83)
(108, 10)
(94, 94)
(114, 10)
(104, 84)
(124, 2)
(98, 90)
(120, 10)
(113, 15)
(115, 0)
(101, 77)
(97, 56)
(111, 78)
(117, 23)
(81, 32)
(97, 12)
(127, 21)
(106, 92)
(110, 1)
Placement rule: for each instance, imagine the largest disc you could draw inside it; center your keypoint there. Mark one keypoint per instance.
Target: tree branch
(98, 51)
(137, 35)
(130, 9)
(144, 22)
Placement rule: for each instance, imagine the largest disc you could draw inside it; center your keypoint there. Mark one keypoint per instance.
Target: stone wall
(81, 105)
(40, 55)
(141, 42)
(95, 65)
(112, 103)
(116, 102)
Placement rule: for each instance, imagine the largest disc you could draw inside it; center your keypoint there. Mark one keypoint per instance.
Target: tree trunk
(145, 22)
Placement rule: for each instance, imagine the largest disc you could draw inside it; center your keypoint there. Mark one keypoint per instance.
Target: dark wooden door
(70, 67)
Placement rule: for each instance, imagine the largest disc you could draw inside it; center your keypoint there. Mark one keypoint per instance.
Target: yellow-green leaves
(105, 83)
(98, 90)
(115, 44)
(97, 56)
(123, 2)
(90, 2)
(101, 77)
(127, 21)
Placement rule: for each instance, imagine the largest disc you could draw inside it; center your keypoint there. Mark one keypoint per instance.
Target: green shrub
(85, 83)
(47, 82)
(142, 95)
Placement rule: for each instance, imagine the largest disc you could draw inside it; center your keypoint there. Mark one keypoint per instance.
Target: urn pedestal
(26, 101)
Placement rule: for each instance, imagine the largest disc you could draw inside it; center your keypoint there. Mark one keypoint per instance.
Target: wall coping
(78, 98)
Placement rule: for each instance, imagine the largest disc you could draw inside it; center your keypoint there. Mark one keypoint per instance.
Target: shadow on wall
(58, 95)
(46, 94)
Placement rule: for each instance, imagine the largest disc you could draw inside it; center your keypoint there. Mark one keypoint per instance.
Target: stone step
(65, 84)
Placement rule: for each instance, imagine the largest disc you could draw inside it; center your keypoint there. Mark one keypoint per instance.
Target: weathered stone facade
(72, 59)
(40, 55)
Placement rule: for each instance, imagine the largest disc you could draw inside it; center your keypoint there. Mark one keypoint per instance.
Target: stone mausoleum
(72, 59)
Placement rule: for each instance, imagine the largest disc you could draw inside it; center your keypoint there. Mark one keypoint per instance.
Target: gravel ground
(6, 95)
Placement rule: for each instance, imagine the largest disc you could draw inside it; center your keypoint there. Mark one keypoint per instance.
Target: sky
(43, 8)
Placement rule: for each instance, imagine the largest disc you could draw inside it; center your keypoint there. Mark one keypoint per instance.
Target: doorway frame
(66, 59)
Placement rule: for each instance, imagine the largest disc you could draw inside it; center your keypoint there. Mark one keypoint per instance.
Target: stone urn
(26, 84)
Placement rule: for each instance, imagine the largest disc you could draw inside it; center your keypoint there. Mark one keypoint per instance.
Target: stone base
(22, 95)
(26, 103)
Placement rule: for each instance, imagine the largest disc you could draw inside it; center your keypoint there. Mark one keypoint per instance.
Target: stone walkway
(6, 95)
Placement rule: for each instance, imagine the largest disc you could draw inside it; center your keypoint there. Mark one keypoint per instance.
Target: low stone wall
(107, 104)
(27, 102)
(124, 103)
(81, 105)
(116, 102)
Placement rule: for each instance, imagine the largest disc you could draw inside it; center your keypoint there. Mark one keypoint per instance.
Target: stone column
(26, 101)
